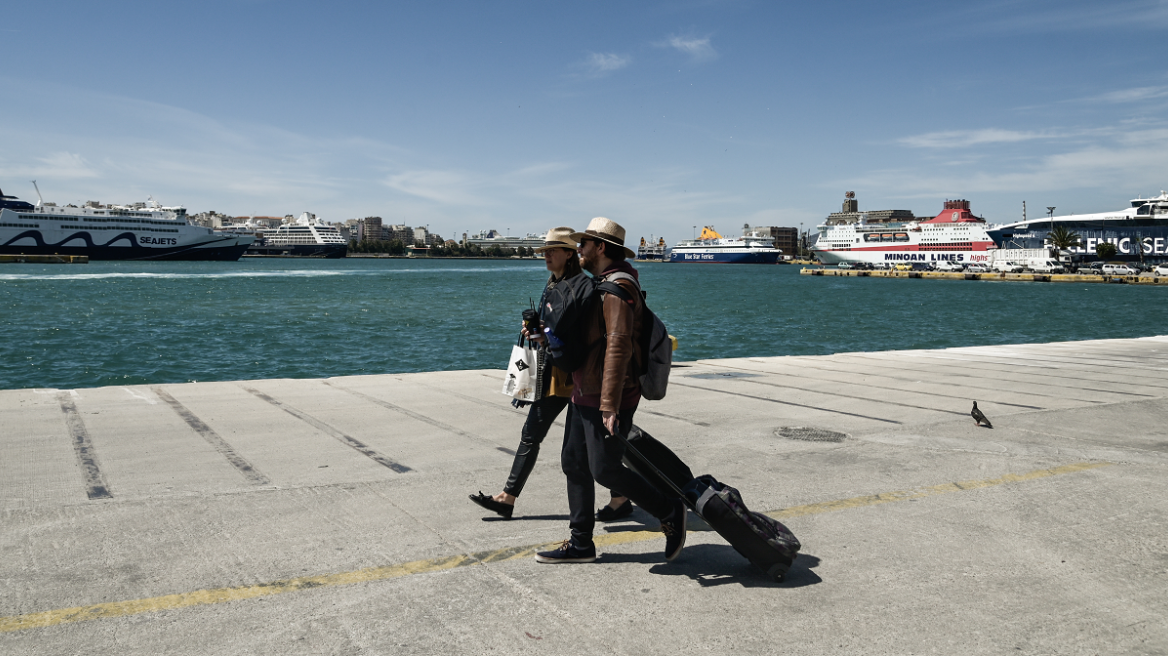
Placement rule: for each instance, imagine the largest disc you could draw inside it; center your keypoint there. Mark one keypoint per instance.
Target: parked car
(882, 266)
(903, 267)
(977, 268)
(1119, 270)
(1002, 266)
(951, 267)
(1160, 270)
(846, 265)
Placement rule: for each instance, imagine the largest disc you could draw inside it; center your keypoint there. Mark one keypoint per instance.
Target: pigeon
(979, 417)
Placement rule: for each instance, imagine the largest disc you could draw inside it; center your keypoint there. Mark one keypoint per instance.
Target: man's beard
(587, 263)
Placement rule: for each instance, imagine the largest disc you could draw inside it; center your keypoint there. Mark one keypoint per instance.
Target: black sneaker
(567, 553)
(673, 527)
(610, 514)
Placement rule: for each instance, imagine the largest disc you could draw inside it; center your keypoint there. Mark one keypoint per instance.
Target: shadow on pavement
(517, 518)
(720, 564)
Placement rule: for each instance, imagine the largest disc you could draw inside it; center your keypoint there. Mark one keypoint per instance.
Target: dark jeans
(590, 453)
(539, 421)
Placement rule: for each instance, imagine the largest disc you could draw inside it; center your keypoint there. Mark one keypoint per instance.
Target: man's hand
(609, 419)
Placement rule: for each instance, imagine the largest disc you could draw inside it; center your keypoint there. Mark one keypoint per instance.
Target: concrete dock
(1142, 279)
(331, 516)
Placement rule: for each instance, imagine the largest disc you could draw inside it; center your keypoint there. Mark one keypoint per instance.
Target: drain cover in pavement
(810, 434)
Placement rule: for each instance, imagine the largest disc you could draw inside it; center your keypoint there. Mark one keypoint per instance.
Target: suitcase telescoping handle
(668, 481)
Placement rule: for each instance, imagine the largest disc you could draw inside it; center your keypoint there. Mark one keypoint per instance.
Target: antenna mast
(40, 201)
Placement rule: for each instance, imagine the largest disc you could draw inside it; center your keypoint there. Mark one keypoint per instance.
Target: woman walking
(559, 254)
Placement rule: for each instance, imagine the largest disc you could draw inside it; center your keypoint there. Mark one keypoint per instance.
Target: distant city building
(402, 233)
(851, 213)
(786, 239)
(421, 236)
(369, 228)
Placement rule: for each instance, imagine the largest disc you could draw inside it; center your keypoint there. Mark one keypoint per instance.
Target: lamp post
(1050, 211)
(695, 232)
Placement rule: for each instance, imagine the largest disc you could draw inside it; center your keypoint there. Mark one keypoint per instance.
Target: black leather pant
(539, 421)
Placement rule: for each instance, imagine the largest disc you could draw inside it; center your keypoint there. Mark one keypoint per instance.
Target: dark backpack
(564, 308)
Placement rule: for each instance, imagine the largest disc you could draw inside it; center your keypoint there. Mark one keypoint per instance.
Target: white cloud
(445, 187)
(964, 138)
(1110, 158)
(603, 63)
(1131, 95)
(698, 49)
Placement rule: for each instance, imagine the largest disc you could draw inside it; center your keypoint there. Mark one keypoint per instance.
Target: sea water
(126, 323)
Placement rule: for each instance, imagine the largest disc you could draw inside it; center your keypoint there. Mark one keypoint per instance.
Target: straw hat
(607, 231)
(560, 237)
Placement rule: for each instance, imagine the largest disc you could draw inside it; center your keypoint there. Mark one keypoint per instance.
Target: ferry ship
(752, 248)
(650, 252)
(143, 231)
(955, 235)
(1141, 227)
(308, 236)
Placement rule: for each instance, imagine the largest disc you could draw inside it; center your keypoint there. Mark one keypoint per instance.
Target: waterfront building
(369, 228)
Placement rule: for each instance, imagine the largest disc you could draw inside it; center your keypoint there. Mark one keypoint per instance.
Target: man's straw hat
(606, 231)
(560, 237)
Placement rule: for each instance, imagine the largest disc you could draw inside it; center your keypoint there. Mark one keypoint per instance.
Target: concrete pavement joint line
(772, 372)
(95, 485)
(420, 417)
(887, 364)
(353, 442)
(693, 422)
(851, 396)
(220, 595)
(226, 450)
(1084, 367)
(798, 405)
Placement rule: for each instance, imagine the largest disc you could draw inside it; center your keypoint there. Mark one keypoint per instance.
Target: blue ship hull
(227, 249)
(757, 257)
(1129, 237)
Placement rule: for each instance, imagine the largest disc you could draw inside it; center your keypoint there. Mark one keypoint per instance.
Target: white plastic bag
(523, 373)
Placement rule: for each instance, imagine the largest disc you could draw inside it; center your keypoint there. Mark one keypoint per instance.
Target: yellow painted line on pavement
(221, 595)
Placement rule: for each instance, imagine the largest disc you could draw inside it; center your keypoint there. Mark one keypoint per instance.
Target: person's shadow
(720, 564)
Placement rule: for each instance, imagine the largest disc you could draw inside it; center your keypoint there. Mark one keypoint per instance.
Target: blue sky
(525, 115)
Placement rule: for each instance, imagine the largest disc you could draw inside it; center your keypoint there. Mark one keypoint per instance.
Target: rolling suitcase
(664, 463)
(765, 542)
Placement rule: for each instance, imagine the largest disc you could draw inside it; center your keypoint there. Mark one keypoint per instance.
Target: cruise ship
(307, 236)
(651, 252)
(143, 231)
(955, 235)
(1141, 227)
(751, 248)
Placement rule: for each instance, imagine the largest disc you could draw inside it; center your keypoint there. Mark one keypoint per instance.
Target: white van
(1040, 265)
(1002, 266)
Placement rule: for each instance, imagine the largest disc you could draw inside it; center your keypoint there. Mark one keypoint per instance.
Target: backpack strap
(609, 286)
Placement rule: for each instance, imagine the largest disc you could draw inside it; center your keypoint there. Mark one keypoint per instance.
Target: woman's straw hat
(560, 237)
(607, 231)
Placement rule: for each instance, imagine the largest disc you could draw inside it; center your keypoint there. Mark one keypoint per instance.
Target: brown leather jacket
(614, 328)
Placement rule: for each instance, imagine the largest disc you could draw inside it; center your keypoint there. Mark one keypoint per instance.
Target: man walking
(603, 401)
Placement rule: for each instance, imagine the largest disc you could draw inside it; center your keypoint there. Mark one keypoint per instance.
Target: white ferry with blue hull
(1141, 227)
(111, 233)
(712, 247)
